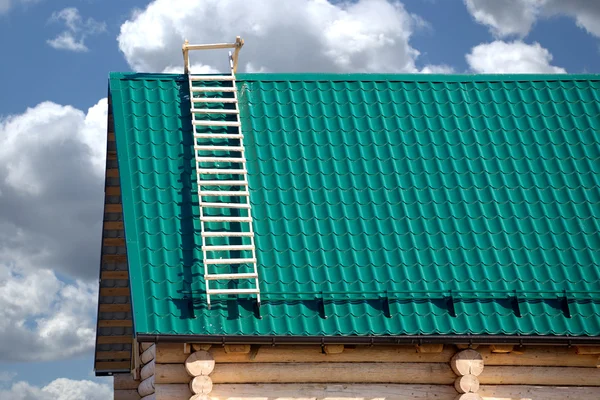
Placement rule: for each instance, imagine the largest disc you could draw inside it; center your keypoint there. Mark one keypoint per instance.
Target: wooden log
(501, 348)
(237, 348)
(586, 350)
(201, 385)
(469, 396)
(312, 391)
(333, 348)
(130, 394)
(426, 373)
(148, 355)
(146, 386)
(200, 363)
(553, 376)
(170, 353)
(172, 391)
(148, 370)
(430, 348)
(467, 362)
(149, 397)
(466, 384)
(302, 354)
(200, 397)
(145, 346)
(125, 381)
(521, 392)
(171, 373)
(562, 356)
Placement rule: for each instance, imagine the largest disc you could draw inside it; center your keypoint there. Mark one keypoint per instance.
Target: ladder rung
(214, 123)
(224, 205)
(214, 277)
(222, 183)
(222, 218)
(212, 89)
(221, 159)
(213, 111)
(233, 247)
(218, 136)
(212, 77)
(224, 193)
(222, 261)
(233, 291)
(213, 100)
(219, 171)
(218, 148)
(227, 234)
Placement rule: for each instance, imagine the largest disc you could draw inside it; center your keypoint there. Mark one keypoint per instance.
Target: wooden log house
(322, 236)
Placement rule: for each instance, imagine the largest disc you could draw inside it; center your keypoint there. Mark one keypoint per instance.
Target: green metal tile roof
(383, 205)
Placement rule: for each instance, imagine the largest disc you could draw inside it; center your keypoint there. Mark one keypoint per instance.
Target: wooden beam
(111, 155)
(114, 308)
(114, 275)
(420, 373)
(314, 391)
(115, 323)
(588, 350)
(112, 173)
(171, 373)
(519, 392)
(126, 395)
(113, 225)
(114, 258)
(111, 136)
(120, 291)
(116, 242)
(113, 355)
(430, 348)
(113, 208)
(552, 376)
(112, 365)
(112, 190)
(117, 339)
(125, 381)
(551, 356)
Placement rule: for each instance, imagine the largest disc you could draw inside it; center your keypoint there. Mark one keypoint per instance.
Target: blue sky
(56, 57)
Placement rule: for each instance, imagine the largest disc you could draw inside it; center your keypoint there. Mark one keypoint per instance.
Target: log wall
(194, 371)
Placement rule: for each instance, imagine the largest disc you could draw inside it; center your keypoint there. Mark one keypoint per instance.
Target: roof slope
(383, 205)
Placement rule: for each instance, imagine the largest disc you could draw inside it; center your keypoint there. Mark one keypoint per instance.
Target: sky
(55, 57)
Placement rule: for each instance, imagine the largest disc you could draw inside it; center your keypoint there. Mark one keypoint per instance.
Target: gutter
(374, 340)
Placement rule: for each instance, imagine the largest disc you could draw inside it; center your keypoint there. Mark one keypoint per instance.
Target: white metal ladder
(208, 160)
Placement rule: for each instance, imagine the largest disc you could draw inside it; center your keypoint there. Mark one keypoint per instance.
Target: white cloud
(77, 30)
(511, 58)
(51, 189)
(517, 17)
(437, 69)
(43, 318)
(281, 36)
(59, 389)
(6, 5)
